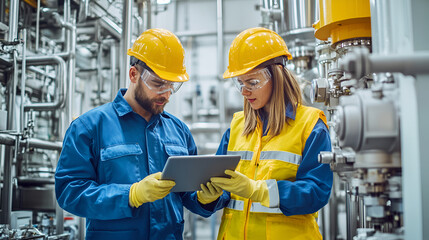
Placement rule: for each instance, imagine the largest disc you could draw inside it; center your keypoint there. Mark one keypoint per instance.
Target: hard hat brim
(229, 74)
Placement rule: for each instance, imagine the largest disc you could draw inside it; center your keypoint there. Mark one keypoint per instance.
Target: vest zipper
(258, 155)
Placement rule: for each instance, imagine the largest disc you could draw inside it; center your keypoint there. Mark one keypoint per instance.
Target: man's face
(150, 101)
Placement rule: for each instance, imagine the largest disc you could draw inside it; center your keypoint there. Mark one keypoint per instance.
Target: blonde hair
(285, 90)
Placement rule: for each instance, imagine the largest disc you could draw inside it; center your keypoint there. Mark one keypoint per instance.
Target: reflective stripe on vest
(256, 207)
(270, 155)
(282, 156)
(245, 155)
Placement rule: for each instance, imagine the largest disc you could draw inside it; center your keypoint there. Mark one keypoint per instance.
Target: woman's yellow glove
(149, 189)
(209, 193)
(243, 186)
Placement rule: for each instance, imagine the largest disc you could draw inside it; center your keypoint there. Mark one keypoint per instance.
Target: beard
(147, 103)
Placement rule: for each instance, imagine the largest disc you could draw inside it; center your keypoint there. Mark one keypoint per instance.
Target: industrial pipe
(220, 67)
(23, 79)
(110, 26)
(100, 82)
(148, 14)
(2, 11)
(6, 196)
(220, 63)
(71, 73)
(9, 140)
(37, 25)
(12, 84)
(60, 96)
(13, 20)
(140, 15)
(125, 41)
(360, 63)
(114, 87)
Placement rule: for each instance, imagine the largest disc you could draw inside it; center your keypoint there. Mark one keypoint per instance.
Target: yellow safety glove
(149, 189)
(243, 186)
(209, 193)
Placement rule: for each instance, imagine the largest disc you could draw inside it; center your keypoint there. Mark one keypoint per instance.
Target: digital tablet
(190, 171)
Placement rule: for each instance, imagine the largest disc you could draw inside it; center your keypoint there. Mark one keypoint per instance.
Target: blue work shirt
(307, 193)
(108, 149)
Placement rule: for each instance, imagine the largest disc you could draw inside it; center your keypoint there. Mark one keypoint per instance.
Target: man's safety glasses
(159, 85)
(252, 81)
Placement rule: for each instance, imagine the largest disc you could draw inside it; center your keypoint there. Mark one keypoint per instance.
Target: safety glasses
(252, 81)
(157, 84)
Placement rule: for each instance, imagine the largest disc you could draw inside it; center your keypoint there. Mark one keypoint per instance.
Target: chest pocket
(120, 163)
(175, 150)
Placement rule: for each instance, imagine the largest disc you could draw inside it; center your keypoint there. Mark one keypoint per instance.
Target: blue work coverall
(108, 149)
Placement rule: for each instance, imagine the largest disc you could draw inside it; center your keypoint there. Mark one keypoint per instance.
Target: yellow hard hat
(253, 47)
(162, 51)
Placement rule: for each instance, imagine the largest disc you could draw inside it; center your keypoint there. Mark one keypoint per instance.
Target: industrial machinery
(360, 49)
(50, 52)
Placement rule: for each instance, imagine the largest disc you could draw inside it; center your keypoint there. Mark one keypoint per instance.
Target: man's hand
(149, 189)
(209, 193)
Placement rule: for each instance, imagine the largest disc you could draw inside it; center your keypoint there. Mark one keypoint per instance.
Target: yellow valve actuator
(343, 19)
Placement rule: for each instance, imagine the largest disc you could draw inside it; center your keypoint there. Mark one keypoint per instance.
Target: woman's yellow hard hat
(253, 47)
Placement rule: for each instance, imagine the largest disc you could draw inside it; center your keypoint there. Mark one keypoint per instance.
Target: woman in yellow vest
(278, 186)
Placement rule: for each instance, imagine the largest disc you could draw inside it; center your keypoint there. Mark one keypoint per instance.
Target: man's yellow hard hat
(162, 51)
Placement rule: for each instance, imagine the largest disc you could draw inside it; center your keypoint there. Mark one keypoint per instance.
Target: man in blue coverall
(109, 168)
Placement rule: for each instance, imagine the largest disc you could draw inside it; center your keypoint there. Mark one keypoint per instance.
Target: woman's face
(257, 97)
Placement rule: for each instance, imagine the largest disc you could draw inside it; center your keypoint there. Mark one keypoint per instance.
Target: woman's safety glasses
(159, 85)
(252, 81)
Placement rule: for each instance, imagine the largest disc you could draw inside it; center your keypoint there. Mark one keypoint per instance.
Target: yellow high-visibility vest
(263, 159)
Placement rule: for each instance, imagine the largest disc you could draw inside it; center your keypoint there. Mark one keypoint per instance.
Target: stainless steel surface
(8, 139)
(220, 63)
(41, 198)
(23, 79)
(43, 144)
(148, 14)
(300, 14)
(83, 10)
(37, 26)
(60, 92)
(13, 20)
(140, 16)
(114, 87)
(7, 190)
(3, 120)
(21, 218)
(390, 26)
(6, 196)
(69, 92)
(272, 15)
(59, 215)
(359, 63)
(111, 27)
(82, 226)
(100, 81)
(125, 42)
(12, 84)
(2, 11)
(365, 122)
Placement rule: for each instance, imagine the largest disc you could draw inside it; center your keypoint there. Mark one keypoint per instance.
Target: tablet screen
(190, 171)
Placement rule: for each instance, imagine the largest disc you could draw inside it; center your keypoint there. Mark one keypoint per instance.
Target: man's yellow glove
(149, 189)
(243, 186)
(208, 193)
